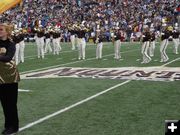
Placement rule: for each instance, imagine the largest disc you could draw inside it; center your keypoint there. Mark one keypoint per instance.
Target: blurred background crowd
(128, 15)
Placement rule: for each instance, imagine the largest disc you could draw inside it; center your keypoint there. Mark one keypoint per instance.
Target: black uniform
(166, 35)
(17, 38)
(21, 37)
(153, 36)
(147, 36)
(117, 36)
(73, 32)
(175, 34)
(100, 39)
(81, 33)
(40, 34)
(47, 35)
(56, 35)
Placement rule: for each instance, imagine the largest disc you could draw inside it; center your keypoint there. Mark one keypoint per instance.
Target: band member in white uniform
(176, 39)
(117, 43)
(48, 42)
(145, 46)
(81, 43)
(164, 43)
(56, 42)
(40, 43)
(72, 38)
(99, 42)
(16, 39)
(21, 47)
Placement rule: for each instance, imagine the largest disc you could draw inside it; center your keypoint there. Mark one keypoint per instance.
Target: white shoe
(166, 60)
(162, 61)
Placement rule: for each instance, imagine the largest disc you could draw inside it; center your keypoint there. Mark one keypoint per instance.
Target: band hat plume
(7, 4)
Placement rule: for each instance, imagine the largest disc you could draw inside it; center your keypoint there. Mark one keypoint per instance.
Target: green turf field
(131, 107)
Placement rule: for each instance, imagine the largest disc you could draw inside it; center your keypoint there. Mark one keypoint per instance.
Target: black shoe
(10, 131)
(3, 131)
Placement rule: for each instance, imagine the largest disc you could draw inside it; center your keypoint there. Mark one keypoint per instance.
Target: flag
(7, 4)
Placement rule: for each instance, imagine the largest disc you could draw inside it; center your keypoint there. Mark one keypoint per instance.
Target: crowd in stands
(129, 15)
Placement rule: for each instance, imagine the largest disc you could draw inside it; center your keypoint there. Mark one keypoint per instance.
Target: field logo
(127, 73)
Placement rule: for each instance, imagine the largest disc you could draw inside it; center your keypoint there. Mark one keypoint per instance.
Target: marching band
(48, 41)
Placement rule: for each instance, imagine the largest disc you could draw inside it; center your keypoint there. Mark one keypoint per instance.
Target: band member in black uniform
(145, 46)
(9, 78)
(165, 34)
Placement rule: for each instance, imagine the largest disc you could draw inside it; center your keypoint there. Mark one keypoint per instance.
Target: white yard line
(65, 64)
(22, 90)
(170, 62)
(72, 106)
(80, 102)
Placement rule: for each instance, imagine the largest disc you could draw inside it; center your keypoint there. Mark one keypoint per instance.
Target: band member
(99, 42)
(117, 43)
(56, 41)
(40, 43)
(164, 43)
(81, 42)
(145, 46)
(17, 40)
(21, 47)
(176, 39)
(72, 38)
(48, 42)
(152, 43)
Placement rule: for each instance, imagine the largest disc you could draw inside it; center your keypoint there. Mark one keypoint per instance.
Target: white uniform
(82, 48)
(40, 47)
(117, 45)
(99, 47)
(21, 49)
(81, 44)
(17, 54)
(56, 43)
